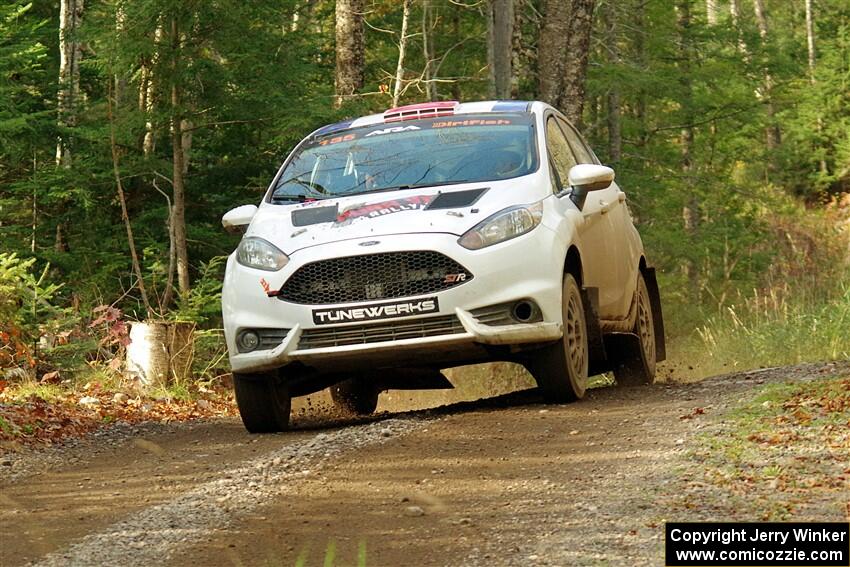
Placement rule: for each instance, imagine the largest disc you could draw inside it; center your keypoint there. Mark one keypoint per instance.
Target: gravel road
(502, 481)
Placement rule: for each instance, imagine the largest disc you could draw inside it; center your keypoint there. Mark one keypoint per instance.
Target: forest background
(128, 128)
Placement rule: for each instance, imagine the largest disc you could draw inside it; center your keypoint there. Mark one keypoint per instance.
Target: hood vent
(456, 199)
(313, 215)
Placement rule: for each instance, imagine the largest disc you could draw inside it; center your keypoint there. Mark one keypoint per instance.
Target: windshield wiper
(292, 198)
(406, 187)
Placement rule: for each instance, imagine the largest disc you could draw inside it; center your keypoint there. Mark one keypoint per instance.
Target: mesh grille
(379, 332)
(373, 276)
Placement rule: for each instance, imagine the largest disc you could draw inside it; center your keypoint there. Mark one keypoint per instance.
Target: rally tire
(264, 403)
(561, 369)
(355, 396)
(639, 368)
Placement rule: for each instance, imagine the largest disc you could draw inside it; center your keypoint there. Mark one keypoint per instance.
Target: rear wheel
(264, 403)
(355, 396)
(639, 367)
(560, 369)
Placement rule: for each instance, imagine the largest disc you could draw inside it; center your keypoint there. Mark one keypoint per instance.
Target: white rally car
(434, 235)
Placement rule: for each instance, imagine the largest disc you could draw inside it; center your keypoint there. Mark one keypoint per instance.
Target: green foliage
(21, 80)
(34, 331)
(252, 78)
(203, 303)
(24, 298)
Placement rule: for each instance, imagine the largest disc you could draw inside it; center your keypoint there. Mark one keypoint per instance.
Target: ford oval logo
(370, 243)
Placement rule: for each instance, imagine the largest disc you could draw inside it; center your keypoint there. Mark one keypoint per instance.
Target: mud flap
(598, 362)
(621, 347)
(657, 316)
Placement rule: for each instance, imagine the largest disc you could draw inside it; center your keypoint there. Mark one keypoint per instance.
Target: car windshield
(422, 153)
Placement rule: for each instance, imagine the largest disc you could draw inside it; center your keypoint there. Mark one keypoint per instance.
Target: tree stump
(160, 352)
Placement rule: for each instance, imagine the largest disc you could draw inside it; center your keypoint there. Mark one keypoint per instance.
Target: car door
(617, 272)
(594, 233)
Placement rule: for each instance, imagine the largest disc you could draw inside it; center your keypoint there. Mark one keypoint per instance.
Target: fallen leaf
(51, 377)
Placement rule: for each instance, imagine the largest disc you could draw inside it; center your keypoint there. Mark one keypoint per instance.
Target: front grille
(373, 276)
(380, 332)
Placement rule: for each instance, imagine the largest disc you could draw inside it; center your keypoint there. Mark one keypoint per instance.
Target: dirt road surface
(502, 481)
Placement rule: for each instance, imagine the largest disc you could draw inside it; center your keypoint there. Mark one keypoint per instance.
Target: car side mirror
(238, 219)
(587, 177)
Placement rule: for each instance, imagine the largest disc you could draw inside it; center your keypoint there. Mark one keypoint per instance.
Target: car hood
(447, 209)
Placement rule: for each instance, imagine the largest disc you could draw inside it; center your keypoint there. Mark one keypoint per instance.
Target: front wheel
(639, 367)
(561, 369)
(264, 403)
(355, 396)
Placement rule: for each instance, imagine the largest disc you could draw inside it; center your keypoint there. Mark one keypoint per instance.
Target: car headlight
(258, 253)
(502, 226)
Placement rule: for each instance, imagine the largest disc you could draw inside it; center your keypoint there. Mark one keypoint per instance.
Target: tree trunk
(690, 210)
(575, 67)
(125, 217)
(772, 133)
(350, 47)
(121, 78)
(428, 51)
(735, 12)
(711, 12)
(810, 38)
(500, 24)
(68, 99)
(147, 92)
(519, 58)
(563, 51)
(456, 39)
(686, 138)
(810, 43)
(402, 46)
(639, 34)
(551, 49)
(615, 142)
(160, 352)
(178, 155)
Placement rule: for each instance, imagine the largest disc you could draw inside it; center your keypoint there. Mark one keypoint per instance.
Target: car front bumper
(526, 267)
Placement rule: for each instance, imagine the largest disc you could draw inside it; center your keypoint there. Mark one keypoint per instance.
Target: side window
(582, 153)
(561, 156)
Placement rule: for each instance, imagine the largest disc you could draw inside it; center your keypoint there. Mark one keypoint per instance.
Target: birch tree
(350, 48)
(402, 46)
(810, 39)
(735, 13)
(690, 210)
(70, 54)
(772, 132)
(615, 142)
(711, 12)
(810, 48)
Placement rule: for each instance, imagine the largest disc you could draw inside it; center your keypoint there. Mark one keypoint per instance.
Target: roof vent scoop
(422, 110)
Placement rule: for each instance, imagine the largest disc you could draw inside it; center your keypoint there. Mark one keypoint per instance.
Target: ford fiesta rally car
(434, 235)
